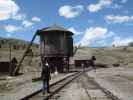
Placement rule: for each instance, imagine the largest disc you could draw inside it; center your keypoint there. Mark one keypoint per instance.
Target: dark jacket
(14, 61)
(45, 73)
(93, 58)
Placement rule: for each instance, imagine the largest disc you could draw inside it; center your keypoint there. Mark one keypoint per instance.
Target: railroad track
(55, 87)
(91, 87)
(87, 83)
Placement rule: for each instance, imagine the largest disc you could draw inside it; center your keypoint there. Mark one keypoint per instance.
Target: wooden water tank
(55, 41)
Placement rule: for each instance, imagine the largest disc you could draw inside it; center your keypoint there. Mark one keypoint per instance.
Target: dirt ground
(118, 80)
(8, 83)
(114, 78)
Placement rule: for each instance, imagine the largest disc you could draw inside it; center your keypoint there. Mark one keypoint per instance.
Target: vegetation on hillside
(15, 44)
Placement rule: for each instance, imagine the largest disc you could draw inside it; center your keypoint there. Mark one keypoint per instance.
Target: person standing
(83, 66)
(13, 65)
(93, 58)
(45, 76)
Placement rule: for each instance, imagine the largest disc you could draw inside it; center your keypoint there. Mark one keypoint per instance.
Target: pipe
(31, 42)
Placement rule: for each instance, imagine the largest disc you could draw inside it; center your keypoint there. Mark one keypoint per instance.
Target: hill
(108, 56)
(15, 43)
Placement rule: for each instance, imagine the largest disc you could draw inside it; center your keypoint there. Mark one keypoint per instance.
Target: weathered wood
(56, 42)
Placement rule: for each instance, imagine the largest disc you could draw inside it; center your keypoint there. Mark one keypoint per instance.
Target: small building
(4, 65)
(82, 56)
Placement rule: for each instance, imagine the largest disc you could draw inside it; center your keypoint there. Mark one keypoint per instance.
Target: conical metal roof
(55, 28)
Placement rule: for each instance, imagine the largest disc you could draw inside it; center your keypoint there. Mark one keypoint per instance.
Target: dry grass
(130, 65)
(109, 56)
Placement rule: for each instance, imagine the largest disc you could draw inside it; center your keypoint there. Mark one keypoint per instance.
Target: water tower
(56, 45)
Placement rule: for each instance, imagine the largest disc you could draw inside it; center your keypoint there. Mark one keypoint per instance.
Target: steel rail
(62, 86)
(104, 90)
(27, 97)
(59, 87)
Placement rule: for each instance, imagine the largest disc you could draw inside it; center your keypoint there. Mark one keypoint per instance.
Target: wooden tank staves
(56, 43)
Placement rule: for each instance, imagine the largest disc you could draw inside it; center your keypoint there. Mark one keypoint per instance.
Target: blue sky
(94, 22)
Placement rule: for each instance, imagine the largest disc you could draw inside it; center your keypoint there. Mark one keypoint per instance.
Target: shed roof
(55, 28)
(83, 54)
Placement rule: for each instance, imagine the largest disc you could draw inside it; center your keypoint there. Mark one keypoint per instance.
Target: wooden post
(10, 59)
(10, 56)
(68, 65)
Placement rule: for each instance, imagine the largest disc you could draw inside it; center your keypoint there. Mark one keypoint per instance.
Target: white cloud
(94, 8)
(12, 28)
(93, 33)
(9, 10)
(119, 41)
(27, 23)
(98, 6)
(36, 19)
(70, 11)
(105, 40)
(72, 29)
(124, 1)
(19, 17)
(118, 19)
(110, 34)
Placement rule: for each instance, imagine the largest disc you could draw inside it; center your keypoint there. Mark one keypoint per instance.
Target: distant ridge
(4, 42)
